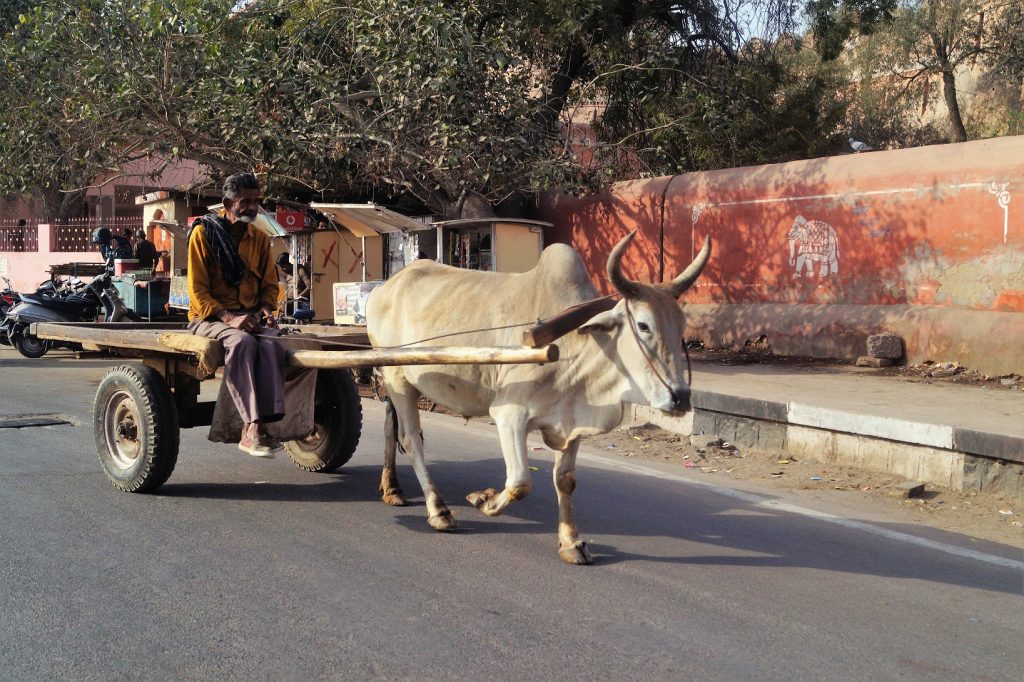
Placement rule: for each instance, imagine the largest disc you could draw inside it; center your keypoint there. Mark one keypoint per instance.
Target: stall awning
(368, 220)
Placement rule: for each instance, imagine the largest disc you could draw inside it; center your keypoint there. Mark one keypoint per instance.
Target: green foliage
(436, 100)
(1004, 42)
(834, 22)
(315, 95)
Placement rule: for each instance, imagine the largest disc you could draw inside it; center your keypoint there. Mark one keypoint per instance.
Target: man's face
(244, 207)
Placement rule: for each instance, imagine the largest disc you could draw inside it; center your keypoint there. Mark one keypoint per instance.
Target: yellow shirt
(208, 292)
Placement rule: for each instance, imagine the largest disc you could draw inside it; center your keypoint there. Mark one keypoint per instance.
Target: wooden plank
(93, 335)
(125, 326)
(570, 319)
(424, 355)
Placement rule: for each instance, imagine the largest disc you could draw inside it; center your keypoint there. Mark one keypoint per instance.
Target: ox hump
(560, 268)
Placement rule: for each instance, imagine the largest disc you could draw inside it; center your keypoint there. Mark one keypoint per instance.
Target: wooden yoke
(560, 324)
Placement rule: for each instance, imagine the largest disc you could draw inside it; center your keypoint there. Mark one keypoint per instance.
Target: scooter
(82, 306)
(8, 299)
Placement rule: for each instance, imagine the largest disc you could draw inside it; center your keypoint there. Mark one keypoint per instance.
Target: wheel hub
(127, 430)
(121, 429)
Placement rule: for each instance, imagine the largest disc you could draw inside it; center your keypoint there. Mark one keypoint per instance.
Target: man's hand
(267, 317)
(247, 322)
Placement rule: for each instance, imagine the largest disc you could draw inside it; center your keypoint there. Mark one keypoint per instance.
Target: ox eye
(642, 326)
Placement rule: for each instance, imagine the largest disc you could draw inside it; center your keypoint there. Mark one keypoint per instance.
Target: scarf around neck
(232, 266)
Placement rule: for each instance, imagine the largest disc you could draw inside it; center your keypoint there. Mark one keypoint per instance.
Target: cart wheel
(338, 416)
(30, 346)
(135, 423)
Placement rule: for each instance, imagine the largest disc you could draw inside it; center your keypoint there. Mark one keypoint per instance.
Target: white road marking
(767, 503)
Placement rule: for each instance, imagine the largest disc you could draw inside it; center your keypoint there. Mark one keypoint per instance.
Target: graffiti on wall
(813, 242)
(1002, 194)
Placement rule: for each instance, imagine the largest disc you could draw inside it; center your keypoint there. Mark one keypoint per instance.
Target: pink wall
(932, 225)
(27, 270)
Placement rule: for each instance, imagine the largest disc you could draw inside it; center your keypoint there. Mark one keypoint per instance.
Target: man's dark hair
(237, 182)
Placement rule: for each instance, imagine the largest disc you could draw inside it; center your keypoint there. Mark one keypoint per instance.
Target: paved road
(246, 569)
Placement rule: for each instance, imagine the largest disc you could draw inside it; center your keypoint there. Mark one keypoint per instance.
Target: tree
(320, 97)
(926, 39)
(456, 104)
(42, 153)
(1004, 43)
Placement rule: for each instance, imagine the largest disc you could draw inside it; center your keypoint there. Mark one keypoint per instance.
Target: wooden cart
(140, 407)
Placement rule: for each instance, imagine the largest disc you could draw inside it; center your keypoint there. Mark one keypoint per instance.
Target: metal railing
(75, 235)
(18, 238)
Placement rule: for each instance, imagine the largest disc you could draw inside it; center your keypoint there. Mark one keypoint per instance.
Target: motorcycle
(83, 305)
(8, 299)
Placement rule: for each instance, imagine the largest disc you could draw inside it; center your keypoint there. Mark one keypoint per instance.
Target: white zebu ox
(603, 365)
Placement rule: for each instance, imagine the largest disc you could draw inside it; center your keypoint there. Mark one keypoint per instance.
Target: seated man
(232, 285)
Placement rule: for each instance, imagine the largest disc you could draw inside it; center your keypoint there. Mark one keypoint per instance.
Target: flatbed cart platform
(140, 408)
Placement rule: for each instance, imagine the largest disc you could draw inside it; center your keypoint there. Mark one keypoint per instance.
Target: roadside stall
(358, 267)
(491, 244)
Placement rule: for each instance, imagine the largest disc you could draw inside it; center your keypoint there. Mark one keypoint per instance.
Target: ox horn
(624, 286)
(691, 273)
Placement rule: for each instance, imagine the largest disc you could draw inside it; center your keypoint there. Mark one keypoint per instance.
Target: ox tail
(391, 416)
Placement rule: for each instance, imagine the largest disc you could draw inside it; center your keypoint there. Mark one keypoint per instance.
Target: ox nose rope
(647, 355)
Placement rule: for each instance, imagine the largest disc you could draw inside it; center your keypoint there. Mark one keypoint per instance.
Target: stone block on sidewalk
(885, 346)
(910, 489)
(868, 361)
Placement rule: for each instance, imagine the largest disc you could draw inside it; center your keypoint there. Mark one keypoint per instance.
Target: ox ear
(602, 323)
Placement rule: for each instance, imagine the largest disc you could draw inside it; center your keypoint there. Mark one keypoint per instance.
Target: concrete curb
(949, 437)
(947, 455)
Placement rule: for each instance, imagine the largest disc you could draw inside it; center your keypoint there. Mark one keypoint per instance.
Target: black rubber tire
(30, 346)
(135, 424)
(338, 415)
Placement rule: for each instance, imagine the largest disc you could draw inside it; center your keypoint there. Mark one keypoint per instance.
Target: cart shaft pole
(447, 355)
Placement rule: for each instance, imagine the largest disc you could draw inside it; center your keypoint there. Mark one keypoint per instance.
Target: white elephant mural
(810, 242)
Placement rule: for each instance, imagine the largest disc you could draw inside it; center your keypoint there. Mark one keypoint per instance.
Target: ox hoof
(442, 522)
(480, 498)
(395, 499)
(576, 554)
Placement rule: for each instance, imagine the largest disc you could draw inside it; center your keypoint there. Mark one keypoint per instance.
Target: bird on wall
(858, 146)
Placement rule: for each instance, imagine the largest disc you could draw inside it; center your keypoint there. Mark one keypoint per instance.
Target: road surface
(241, 569)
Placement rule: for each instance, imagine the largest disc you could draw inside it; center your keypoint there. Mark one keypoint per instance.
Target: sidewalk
(962, 437)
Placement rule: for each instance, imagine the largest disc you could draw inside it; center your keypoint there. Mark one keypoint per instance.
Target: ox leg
(391, 492)
(511, 425)
(403, 398)
(571, 549)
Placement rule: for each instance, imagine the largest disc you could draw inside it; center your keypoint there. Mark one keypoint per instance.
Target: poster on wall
(350, 301)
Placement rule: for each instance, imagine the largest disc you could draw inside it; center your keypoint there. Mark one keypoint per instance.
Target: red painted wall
(932, 225)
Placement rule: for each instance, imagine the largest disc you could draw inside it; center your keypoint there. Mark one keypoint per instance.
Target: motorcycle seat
(73, 307)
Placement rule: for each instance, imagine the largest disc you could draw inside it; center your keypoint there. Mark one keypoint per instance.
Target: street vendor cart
(140, 406)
